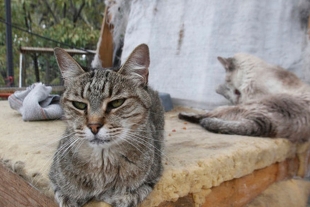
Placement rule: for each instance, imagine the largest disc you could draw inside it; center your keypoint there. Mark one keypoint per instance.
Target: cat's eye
(79, 105)
(116, 103)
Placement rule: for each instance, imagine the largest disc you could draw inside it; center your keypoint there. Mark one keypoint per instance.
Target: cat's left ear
(68, 66)
(137, 65)
(226, 62)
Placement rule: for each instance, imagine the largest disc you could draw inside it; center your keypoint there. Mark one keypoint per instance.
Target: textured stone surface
(195, 160)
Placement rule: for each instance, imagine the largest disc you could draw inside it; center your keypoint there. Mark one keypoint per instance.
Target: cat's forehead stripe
(108, 88)
(86, 88)
(93, 77)
(98, 85)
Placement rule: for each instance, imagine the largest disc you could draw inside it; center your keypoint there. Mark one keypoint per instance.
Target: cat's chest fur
(101, 165)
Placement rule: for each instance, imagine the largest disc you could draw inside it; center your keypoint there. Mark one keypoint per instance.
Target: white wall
(185, 37)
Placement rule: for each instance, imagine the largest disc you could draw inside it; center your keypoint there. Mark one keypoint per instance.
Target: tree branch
(77, 15)
(25, 17)
(51, 11)
(64, 10)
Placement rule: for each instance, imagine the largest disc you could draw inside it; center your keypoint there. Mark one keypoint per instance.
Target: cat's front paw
(61, 200)
(122, 201)
(65, 201)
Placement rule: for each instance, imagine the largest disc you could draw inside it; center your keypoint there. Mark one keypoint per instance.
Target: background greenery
(74, 24)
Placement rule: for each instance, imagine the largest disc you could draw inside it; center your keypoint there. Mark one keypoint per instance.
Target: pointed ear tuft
(226, 62)
(137, 64)
(69, 68)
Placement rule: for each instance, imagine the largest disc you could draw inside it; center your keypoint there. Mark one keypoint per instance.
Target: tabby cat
(269, 102)
(112, 148)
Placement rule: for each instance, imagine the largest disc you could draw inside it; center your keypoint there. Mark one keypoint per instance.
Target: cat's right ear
(227, 64)
(69, 68)
(137, 65)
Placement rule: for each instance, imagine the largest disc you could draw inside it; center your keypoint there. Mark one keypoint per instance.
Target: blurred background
(37, 27)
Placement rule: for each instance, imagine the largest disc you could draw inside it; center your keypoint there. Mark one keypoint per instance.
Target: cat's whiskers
(140, 130)
(72, 143)
(61, 148)
(50, 143)
(132, 144)
(141, 140)
(145, 137)
(44, 167)
(141, 167)
(114, 132)
(65, 148)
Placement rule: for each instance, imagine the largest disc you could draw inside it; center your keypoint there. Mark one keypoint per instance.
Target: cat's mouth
(99, 141)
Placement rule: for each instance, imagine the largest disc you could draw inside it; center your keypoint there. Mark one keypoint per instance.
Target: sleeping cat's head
(229, 92)
(242, 66)
(229, 89)
(231, 70)
(103, 106)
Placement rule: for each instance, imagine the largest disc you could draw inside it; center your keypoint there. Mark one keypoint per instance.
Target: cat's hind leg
(253, 126)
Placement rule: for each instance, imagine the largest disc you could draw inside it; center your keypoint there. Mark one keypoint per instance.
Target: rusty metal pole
(9, 45)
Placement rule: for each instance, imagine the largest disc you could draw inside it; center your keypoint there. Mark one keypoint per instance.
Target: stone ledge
(196, 162)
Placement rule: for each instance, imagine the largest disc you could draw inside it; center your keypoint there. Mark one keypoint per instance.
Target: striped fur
(109, 152)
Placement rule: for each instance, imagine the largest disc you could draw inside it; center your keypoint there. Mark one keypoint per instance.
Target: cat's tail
(193, 118)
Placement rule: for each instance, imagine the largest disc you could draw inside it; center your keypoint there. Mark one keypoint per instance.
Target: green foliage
(72, 23)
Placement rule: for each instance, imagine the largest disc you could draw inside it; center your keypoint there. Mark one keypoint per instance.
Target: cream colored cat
(270, 102)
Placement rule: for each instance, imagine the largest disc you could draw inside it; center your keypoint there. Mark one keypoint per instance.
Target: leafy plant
(49, 23)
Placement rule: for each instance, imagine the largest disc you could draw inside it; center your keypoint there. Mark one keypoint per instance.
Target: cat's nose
(94, 127)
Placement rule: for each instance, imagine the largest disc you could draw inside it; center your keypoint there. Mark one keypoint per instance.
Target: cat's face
(104, 107)
(229, 92)
(228, 64)
(229, 89)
